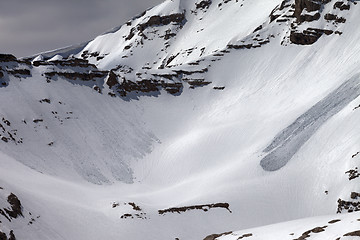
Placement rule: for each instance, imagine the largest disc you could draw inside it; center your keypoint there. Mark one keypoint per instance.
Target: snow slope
(192, 109)
(314, 228)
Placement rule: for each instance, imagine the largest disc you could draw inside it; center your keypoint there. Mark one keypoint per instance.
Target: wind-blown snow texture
(193, 119)
(286, 144)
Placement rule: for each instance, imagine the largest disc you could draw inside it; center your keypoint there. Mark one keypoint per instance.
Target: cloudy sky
(32, 26)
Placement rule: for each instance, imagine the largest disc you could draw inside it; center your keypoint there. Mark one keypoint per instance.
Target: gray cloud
(29, 27)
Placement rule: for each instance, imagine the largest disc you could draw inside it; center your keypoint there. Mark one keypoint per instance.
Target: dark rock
(314, 230)
(171, 58)
(318, 229)
(354, 195)
(11, 136)
(38, 120)
(73, 62)
(7, 58)
(342, 6)
(25, 61)
(333, 17)
(197, 82)
(1, 74)
(88, 76)
(3, 236)
(131, 34)
(134, 206)
(303, 39)
(308, 36)
(46, 100)
(127, 47)
(16, 208)
(354, 155)
(321, 31)
(214, 236)
(330, 17)
(169, 34)
(12, 235)
(334, 221)
(112, 79)
(151, 85)
(353, 173)
(243, 46)
(348, 206)
(179, 72)
(19, 71)
(144, 86)
(219, 88)
(178, 18)
(86, 55)
(114, 205)
(245, 236)
(172, 88)
(309, 5)
(282, 20)
(40, 63)
(94, 54)
(284, 4)
(7, 122)
(273, 17)
(309, 18)
(353, 234)
(340, 20)
(127, 215)
(97, 88)
(258, 28)
(203, 4)
(204, 207)
(2, 212)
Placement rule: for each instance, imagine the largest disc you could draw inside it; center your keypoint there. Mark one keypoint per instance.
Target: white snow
(204, 146)
(56, 58)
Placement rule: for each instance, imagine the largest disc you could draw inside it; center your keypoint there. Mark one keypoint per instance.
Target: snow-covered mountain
(193, 120)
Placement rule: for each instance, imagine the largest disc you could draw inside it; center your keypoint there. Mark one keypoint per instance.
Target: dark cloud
(32, 26)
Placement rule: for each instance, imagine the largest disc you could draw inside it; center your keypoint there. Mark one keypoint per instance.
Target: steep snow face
(176, 33)
(196, 33)
(235, 114)
(290, 140)
(67, 130)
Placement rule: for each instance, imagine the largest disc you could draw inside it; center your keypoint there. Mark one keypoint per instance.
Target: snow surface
(275, 143)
